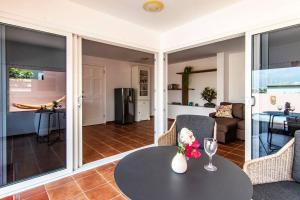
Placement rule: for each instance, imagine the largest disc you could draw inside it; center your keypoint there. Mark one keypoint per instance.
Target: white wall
(118, 75)
(65, 15)
(197, 81)
(235, 77)
(241, 17)
(234, 71)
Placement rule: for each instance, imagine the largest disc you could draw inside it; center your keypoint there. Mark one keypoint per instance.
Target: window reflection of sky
(289, 76)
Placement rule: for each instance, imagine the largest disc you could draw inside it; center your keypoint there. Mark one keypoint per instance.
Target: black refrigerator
(124, 105)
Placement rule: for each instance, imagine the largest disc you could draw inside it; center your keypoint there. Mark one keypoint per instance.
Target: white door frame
(248, 77)
(3, 81)
(43, 179)
(78, 89)
(105, 94)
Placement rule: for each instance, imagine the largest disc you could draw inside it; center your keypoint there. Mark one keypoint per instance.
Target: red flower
(188, 151)
(196, 153)
(196, 144)
(192, 151)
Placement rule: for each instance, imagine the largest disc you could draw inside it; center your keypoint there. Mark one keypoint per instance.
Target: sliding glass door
(3, 155)
(33, 103)
(275, 89)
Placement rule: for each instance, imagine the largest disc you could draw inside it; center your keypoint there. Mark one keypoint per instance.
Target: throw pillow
(224, 111)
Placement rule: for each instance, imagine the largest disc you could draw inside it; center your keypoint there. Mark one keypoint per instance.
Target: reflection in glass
(276, 88)
(33, 123)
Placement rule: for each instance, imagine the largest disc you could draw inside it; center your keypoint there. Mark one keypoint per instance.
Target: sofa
(228, 129)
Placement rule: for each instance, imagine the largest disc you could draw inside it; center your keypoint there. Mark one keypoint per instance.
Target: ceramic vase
(179, 164)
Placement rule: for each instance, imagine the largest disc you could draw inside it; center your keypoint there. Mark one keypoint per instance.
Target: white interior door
(93, 110)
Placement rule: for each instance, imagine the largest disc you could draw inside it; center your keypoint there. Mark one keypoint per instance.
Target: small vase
(179, 164)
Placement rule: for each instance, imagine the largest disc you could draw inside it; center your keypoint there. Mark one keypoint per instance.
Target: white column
(160, 95)
(220, 77)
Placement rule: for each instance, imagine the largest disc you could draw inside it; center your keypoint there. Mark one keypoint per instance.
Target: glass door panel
(33, 120)
(275, 89)
(144, 76)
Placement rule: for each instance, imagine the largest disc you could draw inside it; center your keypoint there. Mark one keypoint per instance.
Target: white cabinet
(141, 85)
(142, 110)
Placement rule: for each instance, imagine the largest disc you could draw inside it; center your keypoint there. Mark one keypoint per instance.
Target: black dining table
(147, 175)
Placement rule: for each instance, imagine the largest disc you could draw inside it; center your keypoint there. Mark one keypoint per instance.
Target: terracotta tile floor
(100, 141)
(99, 183)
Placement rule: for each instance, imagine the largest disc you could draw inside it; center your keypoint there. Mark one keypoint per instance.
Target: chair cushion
(296, 163)
(285, 190)
(226, 124)
(201, 126)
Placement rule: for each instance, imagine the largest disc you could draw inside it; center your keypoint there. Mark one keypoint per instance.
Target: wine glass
(210, 147)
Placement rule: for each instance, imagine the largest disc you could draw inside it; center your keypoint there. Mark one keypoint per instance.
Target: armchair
(277, 176)
(201, 126)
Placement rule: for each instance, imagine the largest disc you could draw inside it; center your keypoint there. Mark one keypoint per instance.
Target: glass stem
(210, 161)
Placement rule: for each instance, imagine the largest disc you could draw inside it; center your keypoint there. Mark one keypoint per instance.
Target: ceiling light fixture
(153, 5)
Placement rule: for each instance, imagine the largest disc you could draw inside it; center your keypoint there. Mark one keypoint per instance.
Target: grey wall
(282, 55)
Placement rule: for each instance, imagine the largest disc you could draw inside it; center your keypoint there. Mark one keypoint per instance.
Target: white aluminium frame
(248, 77)
(42, 179)
(78, 165)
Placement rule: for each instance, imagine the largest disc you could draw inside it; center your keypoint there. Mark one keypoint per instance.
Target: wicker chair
(201, 126)
(276, 177)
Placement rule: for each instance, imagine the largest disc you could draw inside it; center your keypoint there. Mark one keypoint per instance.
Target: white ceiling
(97, 49)
(176, 12)
(232, 45)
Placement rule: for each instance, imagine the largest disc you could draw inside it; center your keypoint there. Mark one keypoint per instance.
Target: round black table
(147, 175)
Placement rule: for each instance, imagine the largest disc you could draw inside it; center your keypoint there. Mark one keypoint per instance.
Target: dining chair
(277, 177)
(201, 126)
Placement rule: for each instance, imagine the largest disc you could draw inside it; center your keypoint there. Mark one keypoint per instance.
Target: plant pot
(210, 105)
(179, 164)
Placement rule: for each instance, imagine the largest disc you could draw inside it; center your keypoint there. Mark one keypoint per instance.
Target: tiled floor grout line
(112, 146)
(106, 182)
(93, 149)
(128, 145)
(82, 191)
(47, 192)
(109, 145)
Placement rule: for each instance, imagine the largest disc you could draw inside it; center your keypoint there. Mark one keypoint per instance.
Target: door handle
(79, 101)
(253, 100)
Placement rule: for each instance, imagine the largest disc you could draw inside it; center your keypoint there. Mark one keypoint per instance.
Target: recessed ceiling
(175, 13)
(97, 49)
(235, 44)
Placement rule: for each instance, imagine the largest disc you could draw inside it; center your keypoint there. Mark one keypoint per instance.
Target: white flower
(186, 136)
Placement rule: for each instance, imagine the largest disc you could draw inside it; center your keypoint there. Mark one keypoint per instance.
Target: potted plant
(209, 94)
